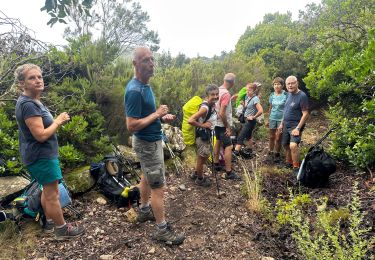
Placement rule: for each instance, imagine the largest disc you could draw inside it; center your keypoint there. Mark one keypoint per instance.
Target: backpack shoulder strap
(209, 112)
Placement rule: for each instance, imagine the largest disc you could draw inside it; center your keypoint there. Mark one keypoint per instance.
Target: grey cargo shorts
(151, 156)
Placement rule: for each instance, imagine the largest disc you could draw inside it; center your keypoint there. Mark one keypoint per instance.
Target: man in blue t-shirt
(294, 118)
(144, 120)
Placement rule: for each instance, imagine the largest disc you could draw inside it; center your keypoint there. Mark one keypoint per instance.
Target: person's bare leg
(277, 142)
(288, 156)
(145, 191)
(294, 154)
(271, 143)
(217, 151)
(228, 158)
(199, 167)
(52, 207)
(157, 202)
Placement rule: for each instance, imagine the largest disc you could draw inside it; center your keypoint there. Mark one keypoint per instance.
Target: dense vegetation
(330, 48)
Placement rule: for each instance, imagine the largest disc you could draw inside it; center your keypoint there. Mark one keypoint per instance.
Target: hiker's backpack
(316, 168)
(29, 203)
(190, 108)
(114, 185)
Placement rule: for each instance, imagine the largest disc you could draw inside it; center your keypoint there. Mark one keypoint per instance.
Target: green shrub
(9, 145)
(354, 138)
(69, 156)
(328, 240)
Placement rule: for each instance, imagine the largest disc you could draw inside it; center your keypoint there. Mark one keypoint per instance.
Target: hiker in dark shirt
(39, 148)
(294, 119)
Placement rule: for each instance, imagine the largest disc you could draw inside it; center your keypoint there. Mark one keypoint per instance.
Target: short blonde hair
(229, 77)
(19, 73)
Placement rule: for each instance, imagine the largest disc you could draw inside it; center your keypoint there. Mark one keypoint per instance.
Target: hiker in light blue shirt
(276, 109)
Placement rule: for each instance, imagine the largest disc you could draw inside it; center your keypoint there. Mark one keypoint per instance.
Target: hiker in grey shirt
(39, 147)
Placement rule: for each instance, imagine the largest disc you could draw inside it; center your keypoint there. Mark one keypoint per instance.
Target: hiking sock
(295, 164)
(49, 221)
(162, 225)
(62, 226)
(145, 208)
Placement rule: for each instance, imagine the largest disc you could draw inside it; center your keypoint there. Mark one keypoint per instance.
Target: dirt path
(216, 228)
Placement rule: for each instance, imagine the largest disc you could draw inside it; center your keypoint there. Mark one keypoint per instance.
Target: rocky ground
(215, 228)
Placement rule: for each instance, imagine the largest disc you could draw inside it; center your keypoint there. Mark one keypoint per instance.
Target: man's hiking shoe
(145, 216)
(204, 182)
(247, 153)
(194, 176)
(69, 231)
(288, 165)
(49, 227)
(168, 236)
(232, 176)
(218, 167)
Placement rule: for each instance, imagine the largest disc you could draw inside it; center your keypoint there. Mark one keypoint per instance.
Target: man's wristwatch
(298, 128)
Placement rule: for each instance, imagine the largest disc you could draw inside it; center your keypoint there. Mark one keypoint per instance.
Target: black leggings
(246, 131)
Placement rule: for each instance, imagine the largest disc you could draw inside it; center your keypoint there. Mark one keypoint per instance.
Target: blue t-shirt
(139, 103)
(294, 105)
(251, 108)
(278, 103)
(30, 149)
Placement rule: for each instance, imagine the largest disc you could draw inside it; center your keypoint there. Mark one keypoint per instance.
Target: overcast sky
(204, 27)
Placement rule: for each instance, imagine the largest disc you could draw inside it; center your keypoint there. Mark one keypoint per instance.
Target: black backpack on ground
(113, 184)
(317, 166)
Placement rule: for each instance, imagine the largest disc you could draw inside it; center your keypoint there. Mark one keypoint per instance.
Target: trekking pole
(325, 136)
(212, 163)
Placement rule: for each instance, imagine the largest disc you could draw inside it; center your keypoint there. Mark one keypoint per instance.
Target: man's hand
(206, 125)
(228, 131)
(162, 111)
(280, 128)
(250, 118)
(295, 132)
(168, 118)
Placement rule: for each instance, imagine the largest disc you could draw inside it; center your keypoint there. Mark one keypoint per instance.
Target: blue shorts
(287, 136)
(45, 171)
(274, 124)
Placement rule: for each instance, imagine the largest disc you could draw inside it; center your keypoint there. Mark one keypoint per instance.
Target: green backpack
(190, 108)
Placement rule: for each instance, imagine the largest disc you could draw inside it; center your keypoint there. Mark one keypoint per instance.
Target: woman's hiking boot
(277, 158)
(232, 176)
(168, 236)
(69, 231)
(144, 216)
(204, 182)
(48, 227)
